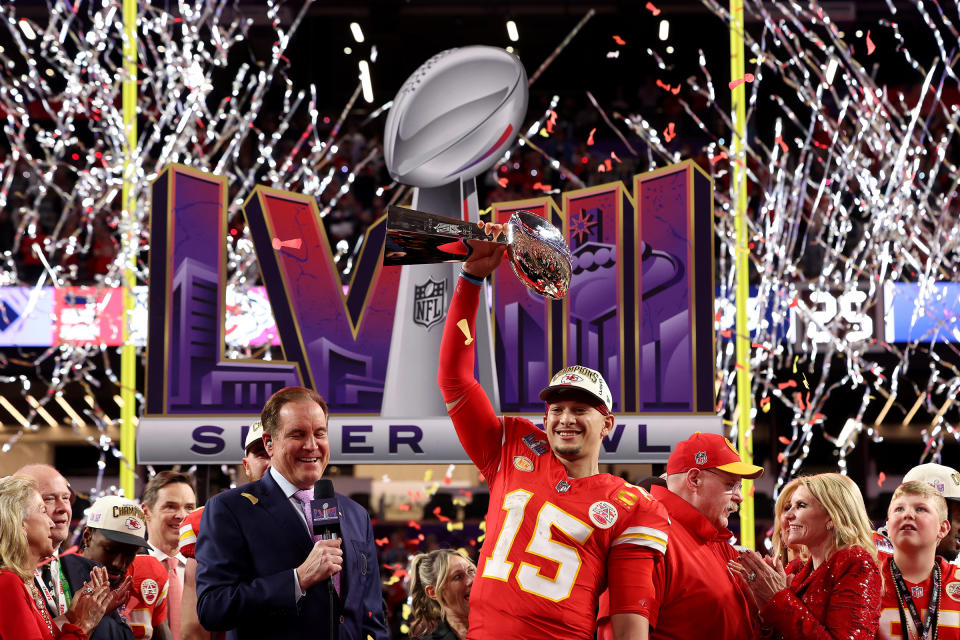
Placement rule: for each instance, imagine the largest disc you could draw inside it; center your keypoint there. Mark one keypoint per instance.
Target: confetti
(881, 478)
(870, 46)
(278, 244)
(736, 83)
(590, 137)
(652, 9)
(783, 145)
(669, 133)
(620, 41)
(717, 158)
(464, 327)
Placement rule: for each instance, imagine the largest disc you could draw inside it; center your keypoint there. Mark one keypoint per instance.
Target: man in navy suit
(260, 572)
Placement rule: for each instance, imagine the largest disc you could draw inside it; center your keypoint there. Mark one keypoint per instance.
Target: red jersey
(550, 540)
(147, 606)
(948, 620)
(189, 530)
(695, 579)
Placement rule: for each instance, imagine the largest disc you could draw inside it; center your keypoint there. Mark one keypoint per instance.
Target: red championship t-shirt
(948, 620)
(551, 539)
(147, 606)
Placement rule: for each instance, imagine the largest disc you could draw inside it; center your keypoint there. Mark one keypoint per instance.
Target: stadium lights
(41, 411)
(512, 32)
(365, 82)
(27, 29)
(77, 420)
(13, 411)
(356, 31)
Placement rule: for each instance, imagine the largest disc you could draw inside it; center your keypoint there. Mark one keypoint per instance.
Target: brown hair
(924, 490)
(428, 569)
(164, 478)
(15, 494)
(270, 416)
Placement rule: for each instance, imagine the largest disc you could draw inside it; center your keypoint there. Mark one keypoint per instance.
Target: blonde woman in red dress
(25, 539)
(836, 594)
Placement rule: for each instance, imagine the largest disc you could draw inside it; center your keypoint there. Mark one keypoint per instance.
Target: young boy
(921, 597)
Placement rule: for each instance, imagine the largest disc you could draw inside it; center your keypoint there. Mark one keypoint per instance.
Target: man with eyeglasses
(696, 593)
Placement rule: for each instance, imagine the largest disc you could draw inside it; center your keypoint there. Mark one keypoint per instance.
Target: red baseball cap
(709, 451)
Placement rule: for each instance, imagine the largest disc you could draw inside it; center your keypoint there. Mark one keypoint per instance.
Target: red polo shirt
(696, 595)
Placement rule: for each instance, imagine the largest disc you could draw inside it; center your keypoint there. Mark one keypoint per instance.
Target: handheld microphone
(323, 511)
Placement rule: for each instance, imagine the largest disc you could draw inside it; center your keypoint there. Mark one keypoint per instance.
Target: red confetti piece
(619, 40)
(726, 333)
(783, 145)
(675, 90)
(662, 85)
(652, 9)
(382, 542)
(881, 478)
(608, 164)
(787, 384)
(503, 182)
(718, 157)
(278, 244)
(750, 491)
(552, 121)
(780, 457)
(414, 525)
(440, 516)
(741, 367)
(669, 133)
(404, 507)
(870, 46)
(736, 83)
(69, 552)
(590, 137)
(793, 303)
(784, 439)
(717, 316)
(446, 480)
(613, 155)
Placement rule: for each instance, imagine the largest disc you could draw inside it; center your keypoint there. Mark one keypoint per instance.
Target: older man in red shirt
(697, 596)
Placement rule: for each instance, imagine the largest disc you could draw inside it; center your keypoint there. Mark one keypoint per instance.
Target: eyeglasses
(733, 486)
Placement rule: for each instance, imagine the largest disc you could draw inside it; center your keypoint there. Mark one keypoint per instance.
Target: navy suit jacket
(251, 539)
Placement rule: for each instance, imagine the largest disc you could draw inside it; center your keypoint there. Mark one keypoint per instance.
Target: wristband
(470, 278)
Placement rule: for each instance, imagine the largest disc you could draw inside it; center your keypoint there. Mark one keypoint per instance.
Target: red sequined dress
(838, 600)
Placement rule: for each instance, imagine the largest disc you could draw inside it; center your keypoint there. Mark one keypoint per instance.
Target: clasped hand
(764, 575)
(325, 559)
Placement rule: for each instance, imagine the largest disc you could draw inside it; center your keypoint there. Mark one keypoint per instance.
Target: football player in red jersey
(921, 590)
(558, 531)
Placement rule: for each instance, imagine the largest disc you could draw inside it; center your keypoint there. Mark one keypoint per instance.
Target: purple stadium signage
(640, 310)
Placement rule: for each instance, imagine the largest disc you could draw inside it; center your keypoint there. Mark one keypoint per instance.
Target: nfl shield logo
(429, 302)
(701, 457)
(916, 592)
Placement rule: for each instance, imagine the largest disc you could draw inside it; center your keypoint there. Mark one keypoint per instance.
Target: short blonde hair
(924, 490)
(843, 502)
(15, 494)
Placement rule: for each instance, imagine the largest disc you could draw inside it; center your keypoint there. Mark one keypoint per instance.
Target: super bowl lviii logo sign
(635, 301)
(639, 310)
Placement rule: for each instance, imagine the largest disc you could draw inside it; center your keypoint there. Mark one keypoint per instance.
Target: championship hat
(709, 451)
(578, 378)
(119, 519)
(254, 435)
(944, 479)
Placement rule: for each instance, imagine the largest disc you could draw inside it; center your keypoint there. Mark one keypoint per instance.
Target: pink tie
(304, 496)
(174, 594)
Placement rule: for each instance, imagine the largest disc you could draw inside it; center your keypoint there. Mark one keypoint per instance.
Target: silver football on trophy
(538, 253)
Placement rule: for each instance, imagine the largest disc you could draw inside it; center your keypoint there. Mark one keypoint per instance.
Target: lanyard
(903, 596)
(58, 599)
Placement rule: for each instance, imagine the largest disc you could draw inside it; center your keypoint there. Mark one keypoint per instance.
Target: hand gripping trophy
(452, 120)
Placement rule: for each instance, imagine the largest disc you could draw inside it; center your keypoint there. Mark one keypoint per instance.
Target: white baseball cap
(944, 479)
(119, 519)
(579, 378)
(254, 435)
